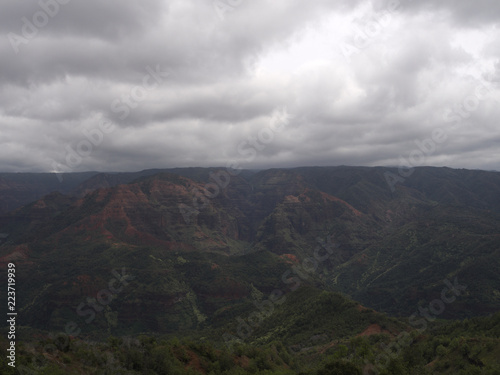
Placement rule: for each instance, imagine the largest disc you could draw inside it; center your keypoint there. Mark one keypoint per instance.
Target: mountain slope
(337, 229)
(19, 189)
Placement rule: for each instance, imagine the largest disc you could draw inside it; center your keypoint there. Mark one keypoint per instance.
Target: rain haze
(128, 85)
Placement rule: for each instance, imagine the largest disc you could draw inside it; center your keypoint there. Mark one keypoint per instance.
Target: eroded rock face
(189, 272)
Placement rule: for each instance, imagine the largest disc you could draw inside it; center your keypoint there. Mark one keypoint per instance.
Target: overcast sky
(122, 85)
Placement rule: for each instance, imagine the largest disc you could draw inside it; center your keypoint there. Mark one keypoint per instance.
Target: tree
(339, 368)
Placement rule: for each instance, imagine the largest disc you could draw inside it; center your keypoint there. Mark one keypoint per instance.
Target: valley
(308, 265)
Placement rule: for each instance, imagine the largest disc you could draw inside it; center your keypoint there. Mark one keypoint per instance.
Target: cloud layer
(126, 85)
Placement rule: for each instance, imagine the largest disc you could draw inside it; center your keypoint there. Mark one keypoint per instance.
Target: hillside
(276, 245)
(392, 251)
(19, 189)
(310, 258)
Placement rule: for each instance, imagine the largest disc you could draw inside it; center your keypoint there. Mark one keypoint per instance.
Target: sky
(122, 85)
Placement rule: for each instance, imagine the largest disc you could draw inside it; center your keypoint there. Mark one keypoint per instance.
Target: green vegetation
(281, 272)
(465, 347)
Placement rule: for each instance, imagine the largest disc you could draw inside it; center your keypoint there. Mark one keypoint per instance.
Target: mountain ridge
(379, 235)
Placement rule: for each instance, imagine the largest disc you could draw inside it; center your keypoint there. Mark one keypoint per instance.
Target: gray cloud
(429, 65)
(108, 20)
(463, 12)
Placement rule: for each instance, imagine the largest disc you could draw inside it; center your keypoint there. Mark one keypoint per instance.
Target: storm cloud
(122, 85)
